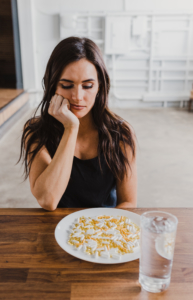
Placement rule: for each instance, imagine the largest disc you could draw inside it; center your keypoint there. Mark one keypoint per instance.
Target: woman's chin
(79, 114)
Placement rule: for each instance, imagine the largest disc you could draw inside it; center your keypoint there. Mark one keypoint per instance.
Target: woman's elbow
(127, 204)
(47, 203)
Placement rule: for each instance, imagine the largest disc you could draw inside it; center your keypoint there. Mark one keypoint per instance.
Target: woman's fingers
(53, 99)
(66, 103)
(51, 105)
(59, 108)
(57, 103)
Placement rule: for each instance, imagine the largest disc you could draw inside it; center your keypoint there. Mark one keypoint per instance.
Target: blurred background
(148, 50)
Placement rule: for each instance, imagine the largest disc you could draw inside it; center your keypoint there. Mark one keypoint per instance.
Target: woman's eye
(71, 86)
(66, 87)
(87, 87)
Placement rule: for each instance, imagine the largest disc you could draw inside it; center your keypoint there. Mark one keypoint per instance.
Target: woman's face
(79, 84)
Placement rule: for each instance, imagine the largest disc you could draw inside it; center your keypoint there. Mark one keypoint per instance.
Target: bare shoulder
(28, 131)
(30, 123)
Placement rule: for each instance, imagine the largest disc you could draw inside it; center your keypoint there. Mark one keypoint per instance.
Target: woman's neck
(87, 125)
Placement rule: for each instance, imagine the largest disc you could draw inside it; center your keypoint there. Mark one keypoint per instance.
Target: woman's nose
(77, 94)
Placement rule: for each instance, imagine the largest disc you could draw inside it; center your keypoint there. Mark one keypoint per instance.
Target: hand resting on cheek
(60, 109)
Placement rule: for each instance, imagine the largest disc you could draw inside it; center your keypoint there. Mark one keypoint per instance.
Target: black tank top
(88, 187)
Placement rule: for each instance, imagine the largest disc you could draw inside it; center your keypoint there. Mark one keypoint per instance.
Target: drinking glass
(158, 233)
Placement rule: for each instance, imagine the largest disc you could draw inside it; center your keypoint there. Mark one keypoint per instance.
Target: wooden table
(33, 266)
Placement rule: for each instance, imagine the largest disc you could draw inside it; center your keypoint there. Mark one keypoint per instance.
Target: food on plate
(104, 236)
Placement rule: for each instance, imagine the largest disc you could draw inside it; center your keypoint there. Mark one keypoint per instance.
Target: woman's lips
(77, 107)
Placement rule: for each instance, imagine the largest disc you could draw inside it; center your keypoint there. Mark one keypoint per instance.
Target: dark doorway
(10, 56)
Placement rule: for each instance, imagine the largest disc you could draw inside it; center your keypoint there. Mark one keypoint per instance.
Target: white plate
(62, 236)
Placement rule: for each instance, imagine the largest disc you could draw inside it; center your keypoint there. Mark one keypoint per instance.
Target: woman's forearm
(51, 184)
(126, 205)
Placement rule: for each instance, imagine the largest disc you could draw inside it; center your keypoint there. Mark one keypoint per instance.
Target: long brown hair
(45, 130)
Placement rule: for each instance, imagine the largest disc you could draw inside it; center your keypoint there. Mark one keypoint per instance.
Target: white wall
(38, 25)
(26, 43)
(159, 5)
(41, 29)
(61, 6)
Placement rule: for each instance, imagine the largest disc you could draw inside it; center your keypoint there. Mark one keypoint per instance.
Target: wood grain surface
(12, 107)
(7, 95)
(33, 266)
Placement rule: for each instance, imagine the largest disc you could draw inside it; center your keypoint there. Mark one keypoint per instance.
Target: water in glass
(158, 231)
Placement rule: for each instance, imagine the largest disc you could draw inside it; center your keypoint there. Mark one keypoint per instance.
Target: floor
(164, 159)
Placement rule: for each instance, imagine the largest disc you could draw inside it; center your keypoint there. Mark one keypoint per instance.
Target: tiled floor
(165, 159)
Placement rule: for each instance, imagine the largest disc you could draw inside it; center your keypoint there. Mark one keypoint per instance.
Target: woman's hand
(60, 109)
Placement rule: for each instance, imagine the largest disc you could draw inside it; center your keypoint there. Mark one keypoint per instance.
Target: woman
(78, 153)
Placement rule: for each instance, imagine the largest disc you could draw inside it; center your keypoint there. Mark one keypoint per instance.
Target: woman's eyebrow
(63, 79)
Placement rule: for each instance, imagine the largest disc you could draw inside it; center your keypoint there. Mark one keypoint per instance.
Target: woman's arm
(127, 188)
(49, 177)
